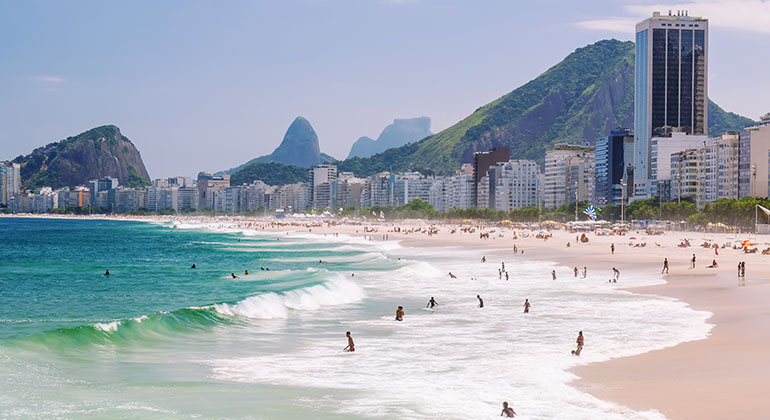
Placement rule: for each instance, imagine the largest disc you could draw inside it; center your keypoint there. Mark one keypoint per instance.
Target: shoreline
(719, 377)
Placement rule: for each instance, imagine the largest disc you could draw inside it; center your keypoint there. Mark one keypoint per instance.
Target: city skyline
(183, 76)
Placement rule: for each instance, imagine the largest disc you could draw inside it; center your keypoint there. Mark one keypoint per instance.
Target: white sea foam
(337, 291)
(460, 361)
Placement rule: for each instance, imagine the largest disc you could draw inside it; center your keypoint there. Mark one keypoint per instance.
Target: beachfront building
(377, 191)
(569, 175)
(458, 191)
(10, 181)
(408, 187)
(684, 174)
(670, 85)
(482, 162)
(514, 184)
(614, 163)
(753, 174)
(323, 189)
(207, 185)
(661, 149)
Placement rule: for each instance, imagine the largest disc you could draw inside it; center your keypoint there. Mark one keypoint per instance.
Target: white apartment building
(569, 175)
(516, 184)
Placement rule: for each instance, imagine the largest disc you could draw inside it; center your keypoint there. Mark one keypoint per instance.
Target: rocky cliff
(99, 152)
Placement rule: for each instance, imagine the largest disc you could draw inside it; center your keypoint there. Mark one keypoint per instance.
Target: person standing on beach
(507, 411)
(743, 269)
(526, 306)
(580, 342)
(739, 268)
(506, 276)
(481, 301)
(553, 274)
(612, 248)
(665, 266)
(692, 261)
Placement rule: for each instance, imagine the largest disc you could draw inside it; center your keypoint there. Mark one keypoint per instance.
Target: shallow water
(157, 339)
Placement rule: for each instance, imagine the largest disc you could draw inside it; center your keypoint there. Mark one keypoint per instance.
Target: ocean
(157, 339)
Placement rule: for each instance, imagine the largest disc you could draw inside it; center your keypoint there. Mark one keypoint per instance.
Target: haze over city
(203, 88)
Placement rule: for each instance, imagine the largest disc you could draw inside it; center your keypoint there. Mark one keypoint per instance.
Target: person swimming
(107, 272)
(400, 313)
(507, 411)
(351, 346)
(193, 266)
(431, 303)
(452, 275)
(233, 275)
(246, 273)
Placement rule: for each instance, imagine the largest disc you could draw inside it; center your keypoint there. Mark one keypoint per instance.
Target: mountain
(401, 132)
(299, 146)
(99, 152)
(578, 100)
(271, 173)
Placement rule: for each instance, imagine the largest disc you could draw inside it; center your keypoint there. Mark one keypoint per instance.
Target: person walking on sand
(553, 274)
(351, 346)
(692, 261)
(526, 306)
(507, 411)
(580, 343)
(481, 301)
(612, 248)
(665, 266)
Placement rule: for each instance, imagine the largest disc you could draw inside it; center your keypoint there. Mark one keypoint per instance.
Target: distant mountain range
(99, 152)
(401, 132)
(581, 98)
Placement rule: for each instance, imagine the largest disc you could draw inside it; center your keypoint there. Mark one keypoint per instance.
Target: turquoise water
(157, 339)
(75, 343)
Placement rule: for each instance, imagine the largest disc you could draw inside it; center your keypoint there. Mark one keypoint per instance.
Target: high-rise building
(753, 169)
(10, 181)
(671, 84)
(322, 188)
(569, 175)
(516, 185)
(482, 161)
(614, 162)
(684, 174)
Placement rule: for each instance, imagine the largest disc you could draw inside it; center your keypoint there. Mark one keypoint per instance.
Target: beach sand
(721, 377)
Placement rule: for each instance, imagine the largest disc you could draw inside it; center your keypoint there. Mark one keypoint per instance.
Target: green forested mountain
(271, 173)
(99, 152)
(580, 99)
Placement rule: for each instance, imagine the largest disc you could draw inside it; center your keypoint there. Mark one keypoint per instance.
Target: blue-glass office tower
(671, 84)
(614, 159)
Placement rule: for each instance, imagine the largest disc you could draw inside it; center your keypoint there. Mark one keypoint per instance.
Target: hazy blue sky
(204, 85)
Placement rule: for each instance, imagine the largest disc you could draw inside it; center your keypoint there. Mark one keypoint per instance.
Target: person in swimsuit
(507, 411)
(400, 313)
(246, 273)
(431, 303)
(351, 346)
(585, 272)
(612, 248)
(233, 275)
(526, 306)
(665, 266)
(193, 266)
(107, 273)
(553, 274)
(579, 344)
(481, 301)
(452, 276)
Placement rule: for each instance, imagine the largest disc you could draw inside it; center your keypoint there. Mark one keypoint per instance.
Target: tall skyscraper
(671, 84)
(482, 161)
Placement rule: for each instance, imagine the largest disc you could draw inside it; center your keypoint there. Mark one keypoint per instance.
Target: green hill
(271, 173)
(99, 152)
(578, 100)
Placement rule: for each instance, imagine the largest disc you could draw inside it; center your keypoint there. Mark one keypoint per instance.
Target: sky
(204, 85)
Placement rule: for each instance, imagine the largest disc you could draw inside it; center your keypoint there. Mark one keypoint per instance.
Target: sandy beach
(716, 378)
